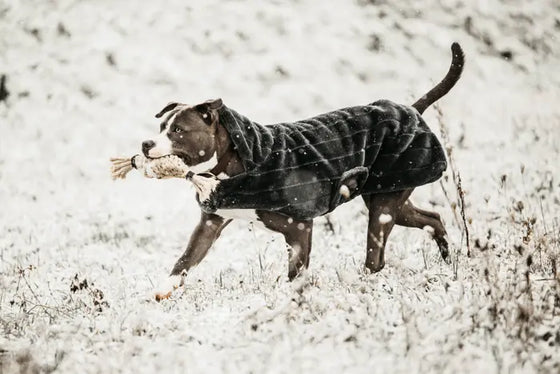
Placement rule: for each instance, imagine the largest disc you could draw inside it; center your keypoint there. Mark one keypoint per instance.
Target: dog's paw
(161, 296)
(166, 287)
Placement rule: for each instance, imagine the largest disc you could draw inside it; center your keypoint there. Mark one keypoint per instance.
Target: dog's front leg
(204, 235)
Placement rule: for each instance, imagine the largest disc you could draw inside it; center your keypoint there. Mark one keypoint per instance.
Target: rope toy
(169, 166)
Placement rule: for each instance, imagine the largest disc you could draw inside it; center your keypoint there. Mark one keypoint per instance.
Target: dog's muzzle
(146, 146)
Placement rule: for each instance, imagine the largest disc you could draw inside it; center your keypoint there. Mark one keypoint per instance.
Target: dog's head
(188, 132)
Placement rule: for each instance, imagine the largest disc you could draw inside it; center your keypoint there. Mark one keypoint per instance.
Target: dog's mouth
(186, 159)
(157, 158)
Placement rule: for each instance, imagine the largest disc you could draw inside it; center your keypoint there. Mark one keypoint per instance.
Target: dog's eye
(177, 129)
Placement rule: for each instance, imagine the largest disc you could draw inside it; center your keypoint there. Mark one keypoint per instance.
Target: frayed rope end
(120, 166)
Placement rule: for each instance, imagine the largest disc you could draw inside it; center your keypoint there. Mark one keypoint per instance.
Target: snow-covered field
(80, 254)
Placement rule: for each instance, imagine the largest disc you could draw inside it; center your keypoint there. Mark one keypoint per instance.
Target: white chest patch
(244, 214)
(248, 215)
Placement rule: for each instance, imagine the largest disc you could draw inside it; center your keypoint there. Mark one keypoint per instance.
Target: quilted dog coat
(298, 168)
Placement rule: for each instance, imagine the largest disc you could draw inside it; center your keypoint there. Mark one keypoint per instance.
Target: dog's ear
(206, 109)
(213, 104)
(166, 109)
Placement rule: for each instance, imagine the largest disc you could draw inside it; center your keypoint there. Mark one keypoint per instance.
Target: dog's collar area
(223, 162)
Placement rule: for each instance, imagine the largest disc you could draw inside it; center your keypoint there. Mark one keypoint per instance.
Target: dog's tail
(443, 87)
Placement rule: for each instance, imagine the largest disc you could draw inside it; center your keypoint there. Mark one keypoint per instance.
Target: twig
(39, 304)
(462, 210)
(456, 176)
(455, 216)
(330, 225)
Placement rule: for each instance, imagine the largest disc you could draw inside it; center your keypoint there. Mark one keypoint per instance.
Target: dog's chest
(248, 215)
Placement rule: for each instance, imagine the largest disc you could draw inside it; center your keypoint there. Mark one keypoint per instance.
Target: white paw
(166, 287)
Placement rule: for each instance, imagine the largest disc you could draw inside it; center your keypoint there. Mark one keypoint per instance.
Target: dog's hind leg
(383, 210)
(298, 235)
(299, 248)
(412, 216)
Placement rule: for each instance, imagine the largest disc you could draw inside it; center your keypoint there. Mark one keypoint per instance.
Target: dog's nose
(147, 145)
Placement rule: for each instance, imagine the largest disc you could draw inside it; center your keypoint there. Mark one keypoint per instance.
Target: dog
(207, 138)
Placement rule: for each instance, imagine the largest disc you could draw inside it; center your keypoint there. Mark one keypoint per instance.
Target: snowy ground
(85, 79)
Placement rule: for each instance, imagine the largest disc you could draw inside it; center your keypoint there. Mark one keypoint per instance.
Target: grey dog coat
(298, 168)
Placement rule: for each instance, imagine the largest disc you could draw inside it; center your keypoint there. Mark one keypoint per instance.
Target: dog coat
(298, 168)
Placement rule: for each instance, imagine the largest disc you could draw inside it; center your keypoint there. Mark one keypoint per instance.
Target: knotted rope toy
(172, 166)
(169, 166)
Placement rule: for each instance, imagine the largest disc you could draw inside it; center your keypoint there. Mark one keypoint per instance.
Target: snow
(344, 191)
(385, 218)
(85, 80)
